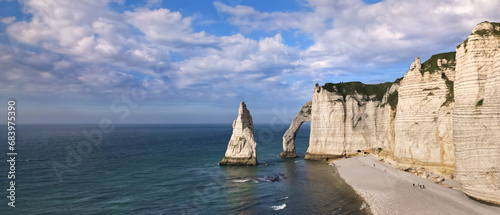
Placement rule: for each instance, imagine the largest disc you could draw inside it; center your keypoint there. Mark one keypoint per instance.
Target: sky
(193, 61)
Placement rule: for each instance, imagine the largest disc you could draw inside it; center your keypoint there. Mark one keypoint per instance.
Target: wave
(263, 179)
(240, 180)
(274, 178)
(278, 207)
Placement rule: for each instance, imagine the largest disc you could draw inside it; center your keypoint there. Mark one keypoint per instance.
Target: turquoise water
(167, 169)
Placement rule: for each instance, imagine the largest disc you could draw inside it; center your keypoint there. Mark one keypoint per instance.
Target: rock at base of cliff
(286, 154)
(228, 161)
(322, 157)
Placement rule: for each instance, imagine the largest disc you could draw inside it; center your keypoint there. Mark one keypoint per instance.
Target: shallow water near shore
(168, 169)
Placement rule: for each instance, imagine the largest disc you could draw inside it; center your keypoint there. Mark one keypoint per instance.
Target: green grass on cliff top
(349, 88)
(486, 32)
(431, 65)
(483, 33)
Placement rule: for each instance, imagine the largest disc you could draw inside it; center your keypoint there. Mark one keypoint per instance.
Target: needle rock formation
(242, 148)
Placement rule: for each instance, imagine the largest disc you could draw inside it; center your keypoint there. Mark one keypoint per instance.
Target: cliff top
(486, 29)
(432, 65)
(349, 88)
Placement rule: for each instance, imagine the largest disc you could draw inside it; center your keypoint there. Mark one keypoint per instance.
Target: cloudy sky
(193, 61)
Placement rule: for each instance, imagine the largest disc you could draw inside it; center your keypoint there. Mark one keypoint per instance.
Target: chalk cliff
(242, 148)
(349, 118)
(442, 117)
(304, 115)
(423, 124)
(476, 116)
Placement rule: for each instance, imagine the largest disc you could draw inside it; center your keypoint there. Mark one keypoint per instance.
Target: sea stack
(242, 148)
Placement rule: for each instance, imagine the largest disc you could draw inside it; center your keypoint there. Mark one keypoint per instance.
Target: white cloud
(89, 44)
(168, 28)
(238, 60)
(8, 20)
(85, 47)
(350, 33)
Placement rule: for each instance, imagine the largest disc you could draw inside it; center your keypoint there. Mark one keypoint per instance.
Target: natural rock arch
(304, 115)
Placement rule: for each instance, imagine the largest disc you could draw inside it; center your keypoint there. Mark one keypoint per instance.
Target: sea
(165, 169)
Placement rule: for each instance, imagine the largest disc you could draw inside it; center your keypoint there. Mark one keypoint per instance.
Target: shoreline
(387, 190)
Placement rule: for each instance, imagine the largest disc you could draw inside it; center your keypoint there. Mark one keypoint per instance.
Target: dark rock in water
(273, 178)
(228, 161)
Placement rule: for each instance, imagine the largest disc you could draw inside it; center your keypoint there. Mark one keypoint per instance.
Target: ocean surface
(166, 169)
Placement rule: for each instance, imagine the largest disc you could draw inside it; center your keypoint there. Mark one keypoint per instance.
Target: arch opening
(304, 115)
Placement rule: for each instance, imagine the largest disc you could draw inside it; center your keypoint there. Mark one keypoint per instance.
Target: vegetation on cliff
(487, 32)
(432, 66)
(392, 99)
(349, 88)
(480, 103)
(450, 96)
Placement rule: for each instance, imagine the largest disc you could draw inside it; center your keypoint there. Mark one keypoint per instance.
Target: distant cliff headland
(442, 117)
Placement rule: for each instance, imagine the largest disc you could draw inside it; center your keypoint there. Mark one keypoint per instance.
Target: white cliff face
(242, 148)
(343, 127)
(327, 125)
(304, 115)
(446, 121)
(423, 124)
(476, 118)
(365, 123)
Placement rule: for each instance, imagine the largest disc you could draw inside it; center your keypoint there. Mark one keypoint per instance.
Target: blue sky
(193, 61)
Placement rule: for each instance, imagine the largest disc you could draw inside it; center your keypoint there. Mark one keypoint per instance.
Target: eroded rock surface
(242, 148)
(476, 118)
(349, 118)
(442, 119)
(423, 124)
(304, 115)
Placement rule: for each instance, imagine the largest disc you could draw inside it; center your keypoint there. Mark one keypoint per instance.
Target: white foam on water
(240, 180)
(278, 207)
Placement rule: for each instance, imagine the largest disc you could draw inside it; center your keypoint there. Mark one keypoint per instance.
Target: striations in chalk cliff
(349, 118)
(476, 118)
(442, 117)
(242, 148)
(423, 124)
